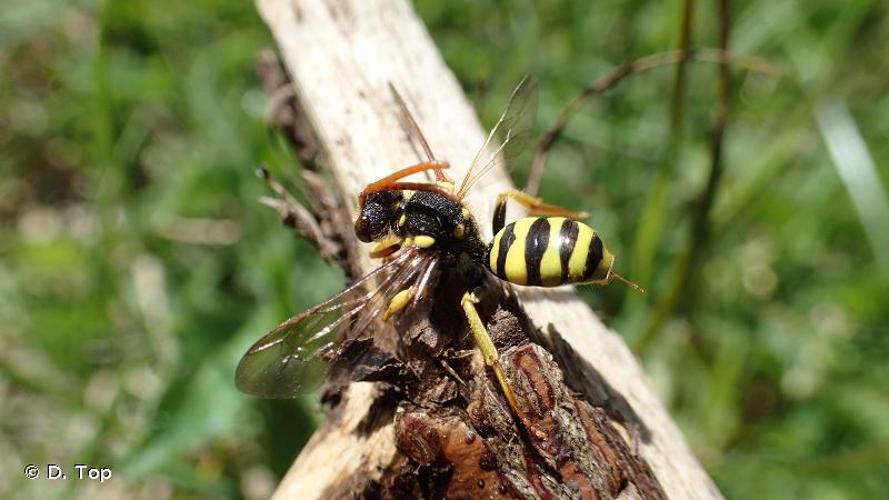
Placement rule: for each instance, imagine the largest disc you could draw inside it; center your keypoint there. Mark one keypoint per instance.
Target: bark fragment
(461, 439)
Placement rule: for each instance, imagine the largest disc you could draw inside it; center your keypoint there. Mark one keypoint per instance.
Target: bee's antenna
(629, 283)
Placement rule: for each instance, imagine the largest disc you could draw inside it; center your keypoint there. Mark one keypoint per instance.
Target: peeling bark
(458, 434)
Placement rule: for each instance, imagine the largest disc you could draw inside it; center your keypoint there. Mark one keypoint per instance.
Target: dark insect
(421, 228)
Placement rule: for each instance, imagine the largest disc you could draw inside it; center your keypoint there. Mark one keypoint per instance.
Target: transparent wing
(410, 124)
(289, 359)
(514, 129)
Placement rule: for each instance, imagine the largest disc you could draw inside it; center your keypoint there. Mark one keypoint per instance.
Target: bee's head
(377, 213)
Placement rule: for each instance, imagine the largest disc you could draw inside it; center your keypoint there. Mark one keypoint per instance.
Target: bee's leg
(398, 302)
(486, 346)
(386, 247)
(492, 359)
(534, 205)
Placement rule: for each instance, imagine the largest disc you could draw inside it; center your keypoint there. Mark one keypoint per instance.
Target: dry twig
(423, 431)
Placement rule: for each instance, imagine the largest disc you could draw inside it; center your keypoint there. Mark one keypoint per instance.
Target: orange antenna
(629, 283)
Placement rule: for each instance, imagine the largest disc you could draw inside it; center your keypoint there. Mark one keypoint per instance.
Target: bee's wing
(410, 124)
(288, 359)
(514, 130)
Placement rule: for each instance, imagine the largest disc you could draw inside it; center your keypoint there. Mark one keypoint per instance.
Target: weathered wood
(341, 54)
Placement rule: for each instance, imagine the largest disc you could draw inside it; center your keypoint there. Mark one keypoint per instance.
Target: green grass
(126, 125)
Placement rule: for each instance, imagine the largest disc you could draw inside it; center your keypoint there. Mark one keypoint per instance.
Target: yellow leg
(534, 205)
(398, 302)
(385, 247)
(492, 358)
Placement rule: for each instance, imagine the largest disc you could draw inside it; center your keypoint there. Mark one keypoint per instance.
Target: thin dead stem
(617, 75)
(699, 238)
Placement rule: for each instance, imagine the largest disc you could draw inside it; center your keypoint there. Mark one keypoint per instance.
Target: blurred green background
(136, 264)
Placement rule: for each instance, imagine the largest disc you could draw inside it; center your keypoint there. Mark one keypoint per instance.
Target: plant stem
(688, 263)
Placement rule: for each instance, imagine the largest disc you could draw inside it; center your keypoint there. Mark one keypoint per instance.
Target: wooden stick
(341, 56)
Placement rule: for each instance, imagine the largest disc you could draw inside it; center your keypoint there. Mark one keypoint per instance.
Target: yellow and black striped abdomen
(549, 251)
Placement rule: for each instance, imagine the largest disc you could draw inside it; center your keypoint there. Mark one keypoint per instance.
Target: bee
(421, 229)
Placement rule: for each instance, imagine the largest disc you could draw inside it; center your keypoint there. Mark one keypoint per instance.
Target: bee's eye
(371, 222)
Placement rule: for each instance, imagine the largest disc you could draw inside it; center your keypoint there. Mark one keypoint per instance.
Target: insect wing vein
(515, 128)
(288, 360)
(404, 278)
(410, 125)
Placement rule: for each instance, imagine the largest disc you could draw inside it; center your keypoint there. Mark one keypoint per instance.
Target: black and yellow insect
(422, 229)
(547, 251)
